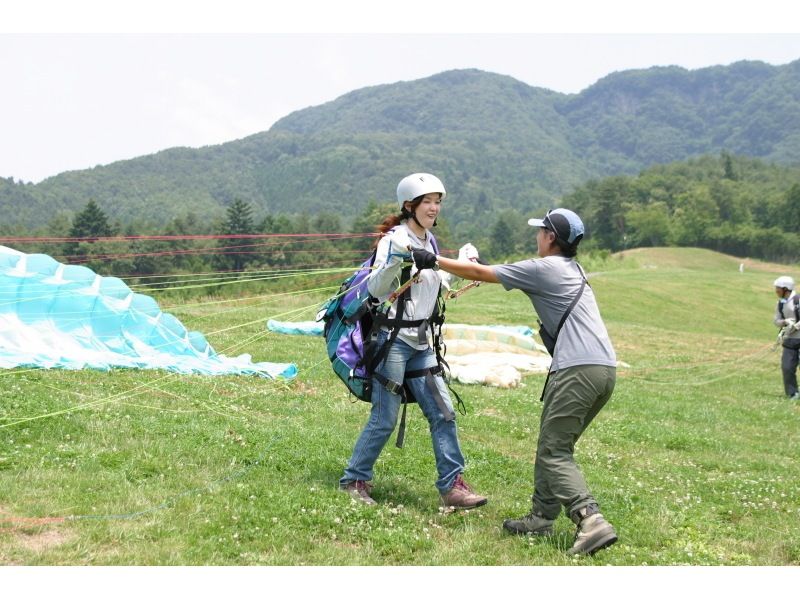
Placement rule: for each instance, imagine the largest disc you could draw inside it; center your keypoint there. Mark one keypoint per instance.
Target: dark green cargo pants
(572, 399)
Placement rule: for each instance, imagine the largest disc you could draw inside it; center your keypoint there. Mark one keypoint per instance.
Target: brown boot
(594, 532)
(461, 496)
(359, 490)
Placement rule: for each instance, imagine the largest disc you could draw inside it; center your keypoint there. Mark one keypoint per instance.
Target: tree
(609, 219)
(185, 254)
(90, 223)
(501, 240)
(791, 210)
(59, 227)
(237, 253)
(649, 225)
(727, 164)
(143, 260)
(696, 214)
(327, 222)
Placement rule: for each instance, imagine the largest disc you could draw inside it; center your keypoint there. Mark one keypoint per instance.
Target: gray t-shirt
(551, 284)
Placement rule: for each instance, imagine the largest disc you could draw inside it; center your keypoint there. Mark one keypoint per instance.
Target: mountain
(495, 141)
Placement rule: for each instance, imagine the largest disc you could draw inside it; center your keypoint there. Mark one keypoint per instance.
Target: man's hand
(423, 259)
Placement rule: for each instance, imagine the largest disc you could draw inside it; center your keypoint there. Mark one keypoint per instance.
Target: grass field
(694, 460)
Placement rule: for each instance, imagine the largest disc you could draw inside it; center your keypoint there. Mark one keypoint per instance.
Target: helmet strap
(404, 213)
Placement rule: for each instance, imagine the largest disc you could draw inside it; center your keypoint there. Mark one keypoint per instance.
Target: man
(581, 379)
(787, 317)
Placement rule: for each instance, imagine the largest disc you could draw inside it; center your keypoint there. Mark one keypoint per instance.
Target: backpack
(352, 319)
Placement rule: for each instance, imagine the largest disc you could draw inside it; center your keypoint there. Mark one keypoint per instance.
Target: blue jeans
(401, 358)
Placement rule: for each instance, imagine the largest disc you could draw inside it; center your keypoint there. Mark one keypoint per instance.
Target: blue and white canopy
(54, 315)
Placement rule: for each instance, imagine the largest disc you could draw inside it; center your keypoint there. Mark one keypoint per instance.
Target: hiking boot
(532, 523)
(461, 496)
(593, 533)
(359, 490)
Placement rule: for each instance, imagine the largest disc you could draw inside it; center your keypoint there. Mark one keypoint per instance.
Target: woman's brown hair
(391, 221)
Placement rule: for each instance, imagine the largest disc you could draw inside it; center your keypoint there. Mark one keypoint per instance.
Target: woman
(420, 198)
(582, 375)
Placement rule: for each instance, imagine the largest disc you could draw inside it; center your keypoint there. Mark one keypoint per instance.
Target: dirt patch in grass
(31, 534)
(42, 541)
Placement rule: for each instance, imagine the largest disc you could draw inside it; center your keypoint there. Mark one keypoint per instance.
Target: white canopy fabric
(493, 355)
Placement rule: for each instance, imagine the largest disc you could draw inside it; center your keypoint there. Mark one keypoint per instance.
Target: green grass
(694, 460)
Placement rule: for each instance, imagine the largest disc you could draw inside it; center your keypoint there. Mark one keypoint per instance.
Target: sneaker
(795, 397)
(593, 533)
(532, 523)
(461, 496)
(359, 490)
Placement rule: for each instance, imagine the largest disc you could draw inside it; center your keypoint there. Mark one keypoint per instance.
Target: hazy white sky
(75, 100)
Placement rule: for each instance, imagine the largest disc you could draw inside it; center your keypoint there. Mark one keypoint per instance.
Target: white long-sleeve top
(385, 279)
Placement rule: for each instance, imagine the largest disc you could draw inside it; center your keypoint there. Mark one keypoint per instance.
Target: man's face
(544, 239)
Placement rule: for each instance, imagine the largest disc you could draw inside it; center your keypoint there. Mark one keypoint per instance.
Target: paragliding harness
(794, 299)
(353, 320)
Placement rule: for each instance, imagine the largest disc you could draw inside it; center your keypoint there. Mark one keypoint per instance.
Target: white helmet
(784, 282)
(419, 183)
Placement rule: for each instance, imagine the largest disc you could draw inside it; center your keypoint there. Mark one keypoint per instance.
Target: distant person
(581, 379)
(787, 317)
(409, 358)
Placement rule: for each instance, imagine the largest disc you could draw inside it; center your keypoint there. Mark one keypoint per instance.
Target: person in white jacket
(409, 359)
(787, 317)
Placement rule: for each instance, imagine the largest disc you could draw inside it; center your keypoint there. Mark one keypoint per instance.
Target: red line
(180, 237)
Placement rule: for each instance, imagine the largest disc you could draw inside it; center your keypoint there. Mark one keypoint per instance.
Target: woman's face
(428, 209)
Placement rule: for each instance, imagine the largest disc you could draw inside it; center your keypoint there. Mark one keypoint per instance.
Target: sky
(83, 88)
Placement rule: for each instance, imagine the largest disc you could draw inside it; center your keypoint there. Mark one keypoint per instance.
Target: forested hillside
(495, 141)
(741, 206)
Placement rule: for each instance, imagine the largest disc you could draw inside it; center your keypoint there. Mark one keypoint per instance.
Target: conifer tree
(502, 239)
(238, 221)
(90, 223)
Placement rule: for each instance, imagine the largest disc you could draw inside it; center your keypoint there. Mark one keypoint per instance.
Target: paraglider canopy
(55, 315)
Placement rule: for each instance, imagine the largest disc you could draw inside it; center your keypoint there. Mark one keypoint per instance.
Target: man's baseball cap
(565, 223)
